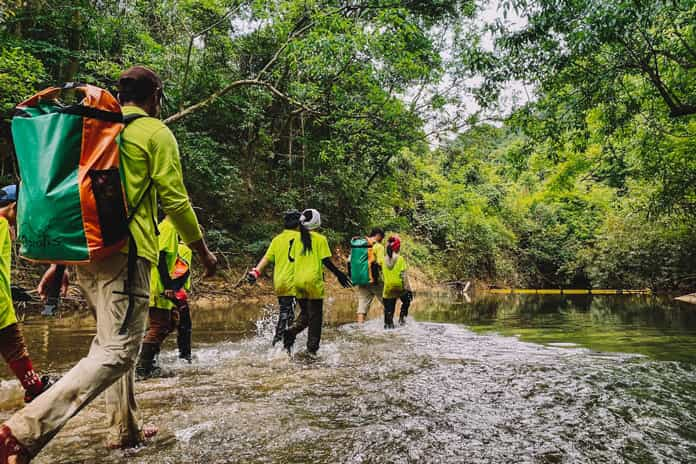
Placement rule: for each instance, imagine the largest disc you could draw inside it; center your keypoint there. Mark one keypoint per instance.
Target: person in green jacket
(311, 254)
(396, 283)
(367, 293)
(164, 313)
(280, 253)
(150, 169)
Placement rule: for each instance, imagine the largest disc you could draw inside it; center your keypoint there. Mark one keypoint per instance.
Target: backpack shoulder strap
(140, 202)
(129, 118)
(132, 248)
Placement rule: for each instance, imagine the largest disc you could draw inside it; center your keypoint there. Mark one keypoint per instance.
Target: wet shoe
(186, 358)
(308, 357)
(146, 434)
(288, 342)
(47, 382)
(11, 451)
(144, 373)
(402, 321)
(147, 362)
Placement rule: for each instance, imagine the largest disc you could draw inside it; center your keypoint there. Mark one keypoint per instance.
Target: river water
(518, 379)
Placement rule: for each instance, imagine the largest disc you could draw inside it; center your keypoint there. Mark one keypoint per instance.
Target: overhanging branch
(231, 86)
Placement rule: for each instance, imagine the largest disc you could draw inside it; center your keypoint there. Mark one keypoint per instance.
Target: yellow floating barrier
(691, 298)
(567, 291)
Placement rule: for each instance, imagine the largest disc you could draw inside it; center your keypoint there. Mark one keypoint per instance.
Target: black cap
(292, 219)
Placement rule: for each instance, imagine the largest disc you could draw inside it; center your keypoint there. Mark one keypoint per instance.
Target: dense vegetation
(382, 112)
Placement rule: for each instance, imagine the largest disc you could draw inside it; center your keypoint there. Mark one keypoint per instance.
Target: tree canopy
(389, 113)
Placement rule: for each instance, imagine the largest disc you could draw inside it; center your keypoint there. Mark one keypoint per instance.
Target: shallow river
(503, 379)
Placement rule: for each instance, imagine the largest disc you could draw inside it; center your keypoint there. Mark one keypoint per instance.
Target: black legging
(390, 309)
(286, 316)
(183, 335)
(312, 316)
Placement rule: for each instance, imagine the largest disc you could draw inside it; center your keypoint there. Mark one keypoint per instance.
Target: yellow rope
(569, 291)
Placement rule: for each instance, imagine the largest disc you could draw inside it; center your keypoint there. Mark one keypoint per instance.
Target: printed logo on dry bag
(41, 241)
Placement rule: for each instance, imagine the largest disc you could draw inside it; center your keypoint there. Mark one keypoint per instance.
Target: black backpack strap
(132, 247)
(129, 118)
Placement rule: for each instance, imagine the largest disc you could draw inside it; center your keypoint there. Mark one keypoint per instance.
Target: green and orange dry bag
(72, 206)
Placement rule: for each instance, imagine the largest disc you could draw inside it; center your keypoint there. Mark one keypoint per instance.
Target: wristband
(255, 272)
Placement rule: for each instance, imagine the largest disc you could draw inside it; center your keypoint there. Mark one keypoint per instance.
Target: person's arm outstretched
(407, 285)
(255, 272)
(343, 279)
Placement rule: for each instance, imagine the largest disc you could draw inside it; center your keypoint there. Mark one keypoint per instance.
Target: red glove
(181, 295)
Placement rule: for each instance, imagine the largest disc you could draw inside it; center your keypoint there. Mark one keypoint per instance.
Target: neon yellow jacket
(149, 151)
(7, 312)
(394, 277)
(168, 244)
(281, 254)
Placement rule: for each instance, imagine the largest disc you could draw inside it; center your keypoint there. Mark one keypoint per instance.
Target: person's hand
(208, 259)
(210, 263)
(170, 294)
(253, 276)
(47, 280)
(344, 280)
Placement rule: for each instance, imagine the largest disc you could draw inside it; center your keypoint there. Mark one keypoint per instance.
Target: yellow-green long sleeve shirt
(7, 312)
(149, 151)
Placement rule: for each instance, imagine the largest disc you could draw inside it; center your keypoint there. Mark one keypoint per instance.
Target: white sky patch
(445, 123)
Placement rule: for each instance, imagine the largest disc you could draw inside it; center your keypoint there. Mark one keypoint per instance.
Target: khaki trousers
(367, 294)
(108, 367)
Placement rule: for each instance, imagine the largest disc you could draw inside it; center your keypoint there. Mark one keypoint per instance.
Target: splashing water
(266, 323)
(426, 392)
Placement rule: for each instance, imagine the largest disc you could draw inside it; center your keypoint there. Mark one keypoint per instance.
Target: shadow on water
(433, 391)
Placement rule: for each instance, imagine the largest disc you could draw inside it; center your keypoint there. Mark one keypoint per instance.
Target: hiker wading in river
(396, 283)
(311, 254)
(364, 267)
(281, 254)
(168, 301)
(151, 168)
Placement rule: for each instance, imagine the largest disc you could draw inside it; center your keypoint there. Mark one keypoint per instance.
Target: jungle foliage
(359, 108)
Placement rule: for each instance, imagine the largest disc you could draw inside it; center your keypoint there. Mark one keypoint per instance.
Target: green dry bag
(360, 261)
